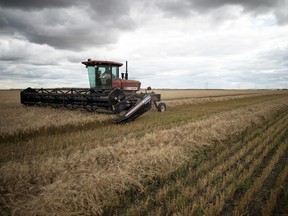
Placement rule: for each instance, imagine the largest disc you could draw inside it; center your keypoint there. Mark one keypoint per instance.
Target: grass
(192, 158)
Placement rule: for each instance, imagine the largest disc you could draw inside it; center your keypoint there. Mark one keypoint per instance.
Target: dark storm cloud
(249, 5)
(184, 8)
(66, 24)
(35, 4)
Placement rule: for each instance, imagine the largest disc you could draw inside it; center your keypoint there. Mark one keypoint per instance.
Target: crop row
(235, 172)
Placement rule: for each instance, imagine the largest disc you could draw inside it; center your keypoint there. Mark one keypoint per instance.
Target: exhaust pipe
(126, 74)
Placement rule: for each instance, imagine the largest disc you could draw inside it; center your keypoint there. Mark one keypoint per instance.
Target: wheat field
(220, 152)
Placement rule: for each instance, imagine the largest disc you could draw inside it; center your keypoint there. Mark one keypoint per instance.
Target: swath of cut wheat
(87, 182)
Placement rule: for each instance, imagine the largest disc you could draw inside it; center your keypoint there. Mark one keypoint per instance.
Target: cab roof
(91, 62)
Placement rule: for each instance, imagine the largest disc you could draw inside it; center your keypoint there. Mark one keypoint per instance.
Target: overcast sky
(230, 44)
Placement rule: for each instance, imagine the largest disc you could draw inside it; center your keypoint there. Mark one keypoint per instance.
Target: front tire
(161, 107)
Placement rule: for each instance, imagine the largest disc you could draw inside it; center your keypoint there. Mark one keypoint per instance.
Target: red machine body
(126, 85)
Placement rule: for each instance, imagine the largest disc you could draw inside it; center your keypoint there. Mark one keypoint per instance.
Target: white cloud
(218, 54)
(225, 45)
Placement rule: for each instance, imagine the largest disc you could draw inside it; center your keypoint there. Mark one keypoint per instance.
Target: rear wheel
(161, 107)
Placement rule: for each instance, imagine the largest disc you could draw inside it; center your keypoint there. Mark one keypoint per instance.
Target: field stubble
(17, 119)
(90, 169)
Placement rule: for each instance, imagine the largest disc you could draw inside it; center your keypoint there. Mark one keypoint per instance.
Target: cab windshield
(101, 76)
